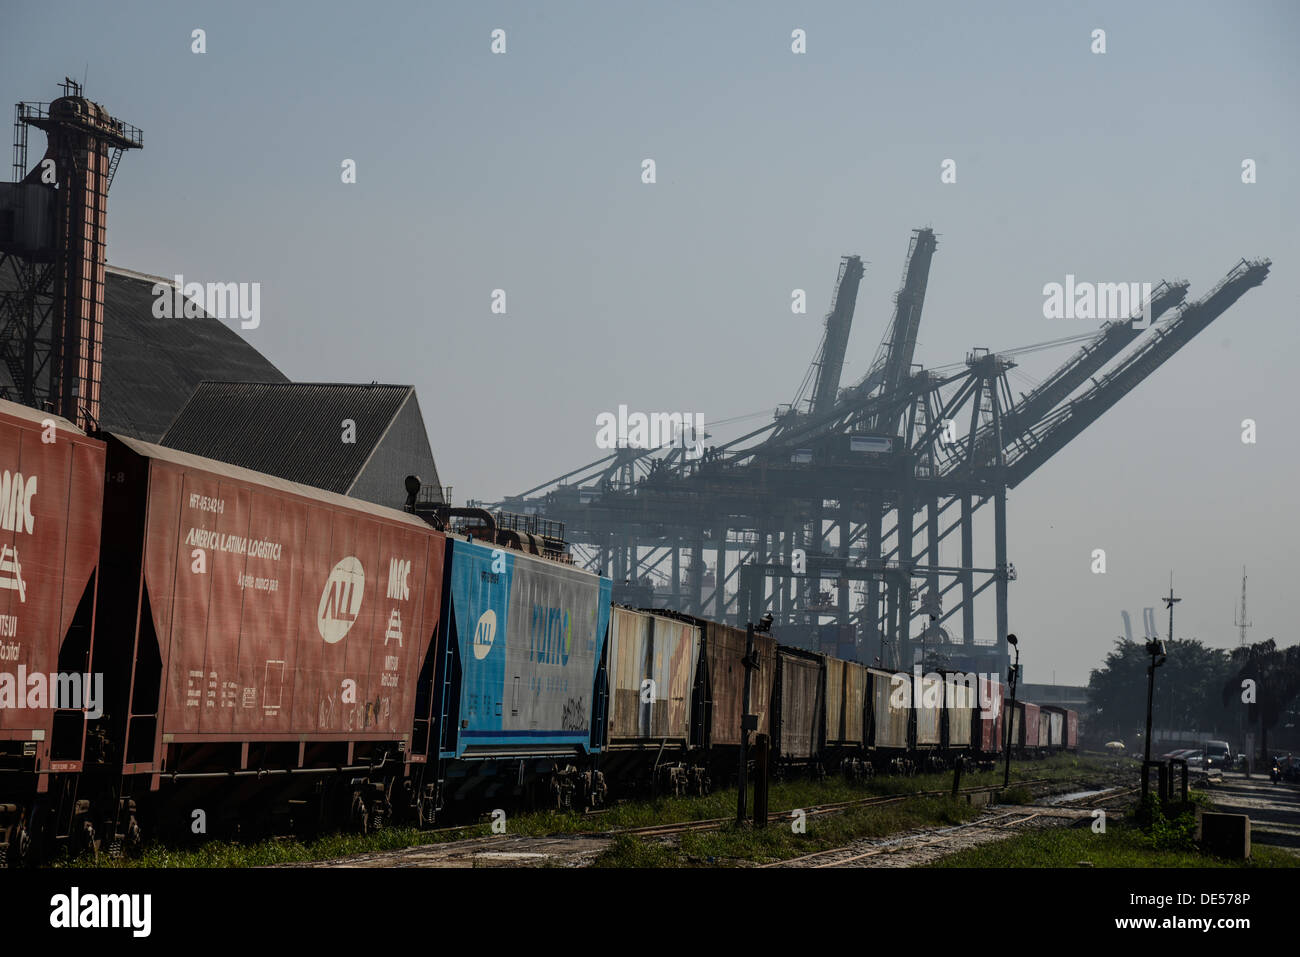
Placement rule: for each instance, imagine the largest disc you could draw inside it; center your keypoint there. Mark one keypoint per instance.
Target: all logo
(341, 600)
(484, 634)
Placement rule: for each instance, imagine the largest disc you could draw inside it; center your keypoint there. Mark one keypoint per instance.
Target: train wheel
(358, 819)
(20, 851)
(133, 840)
(84, 839)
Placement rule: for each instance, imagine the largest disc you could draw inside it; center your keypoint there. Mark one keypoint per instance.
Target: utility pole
(1171, 601)
(1156, 649)
(748, 722)
(1011, 714)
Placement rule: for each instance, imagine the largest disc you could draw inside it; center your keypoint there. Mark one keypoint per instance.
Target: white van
(1218, 755)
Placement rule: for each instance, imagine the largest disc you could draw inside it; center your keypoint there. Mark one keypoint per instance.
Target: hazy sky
(522, 172)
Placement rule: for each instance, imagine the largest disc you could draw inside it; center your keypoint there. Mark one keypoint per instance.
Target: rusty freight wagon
(846, 695)
(653, 687)
(724, 695)
(928, 708)
(1071, 729)
(889, 712)
(51, 490)
(1025, 732)
(992, 730)
(261, 637)
(799, 707)
(961, 710)
(1058, 728)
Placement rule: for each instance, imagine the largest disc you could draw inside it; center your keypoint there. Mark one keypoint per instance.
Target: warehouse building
(358, 440)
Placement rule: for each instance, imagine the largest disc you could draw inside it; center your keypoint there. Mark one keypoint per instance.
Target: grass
(1120, 846)
(778, 841)
(782, 796)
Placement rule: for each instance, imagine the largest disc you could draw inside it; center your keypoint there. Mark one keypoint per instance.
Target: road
(1274, 809)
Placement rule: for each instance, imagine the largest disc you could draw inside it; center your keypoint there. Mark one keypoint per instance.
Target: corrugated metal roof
(292, 429)
(152, 366)
(198, 462)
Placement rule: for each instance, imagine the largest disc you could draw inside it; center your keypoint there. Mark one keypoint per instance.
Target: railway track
(681, 827)
(895, 845)
(1100, 799)
(1010, 820)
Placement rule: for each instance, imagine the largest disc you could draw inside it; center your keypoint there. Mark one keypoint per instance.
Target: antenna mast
(1240, 619)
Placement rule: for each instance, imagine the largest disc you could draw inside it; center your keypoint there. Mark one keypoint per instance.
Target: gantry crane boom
(1112, 339)
(893, 362)
(830, 363)
(1062, 425)
(1109, 342)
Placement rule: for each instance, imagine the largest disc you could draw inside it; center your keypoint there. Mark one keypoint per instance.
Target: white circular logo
(484, 632)
(341, 600)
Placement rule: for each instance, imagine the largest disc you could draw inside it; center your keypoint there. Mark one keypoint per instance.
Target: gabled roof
(151, 366)
(296, 430)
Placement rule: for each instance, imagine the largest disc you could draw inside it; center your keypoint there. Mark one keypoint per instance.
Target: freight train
(192, 648)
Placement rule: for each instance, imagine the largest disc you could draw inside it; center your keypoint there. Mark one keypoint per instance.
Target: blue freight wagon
(522, 691)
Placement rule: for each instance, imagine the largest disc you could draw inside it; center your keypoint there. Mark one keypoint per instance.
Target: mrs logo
(341, 600)
(399, 579)
(16, 494)
(484, 634)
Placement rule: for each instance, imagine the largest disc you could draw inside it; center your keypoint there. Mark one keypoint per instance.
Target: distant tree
(1117, 690)
(1276, 677)
(1185, 696)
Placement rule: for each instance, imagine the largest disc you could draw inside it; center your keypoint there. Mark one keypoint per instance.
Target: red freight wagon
(51, 490)
(991, 728)
(276, 629)
(1029, 725)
